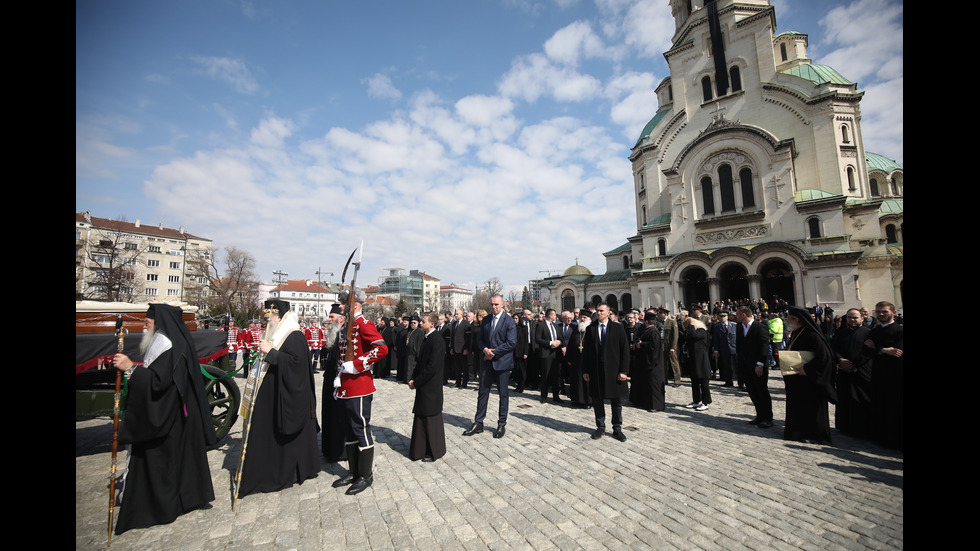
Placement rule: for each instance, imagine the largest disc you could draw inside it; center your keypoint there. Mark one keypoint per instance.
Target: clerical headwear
(281, 306)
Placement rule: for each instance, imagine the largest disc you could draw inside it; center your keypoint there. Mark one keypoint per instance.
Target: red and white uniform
(314, 337)
(232, 341)
(369, 347)
(245, 340)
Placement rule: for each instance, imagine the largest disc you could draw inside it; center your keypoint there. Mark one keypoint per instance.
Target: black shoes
(597, 434)
(618, 435)
(500, 432)
(765, 424)
(352, 456)
(477, 428)
(365, 465)
(755, 421)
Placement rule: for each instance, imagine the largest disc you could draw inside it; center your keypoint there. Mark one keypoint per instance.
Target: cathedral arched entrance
(596, 300)
(627, 301)
(613, 302)
(733, 282)
(694, 285)
(777, 282)
(568, 300)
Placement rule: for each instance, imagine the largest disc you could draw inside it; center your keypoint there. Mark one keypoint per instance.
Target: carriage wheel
(224, 399)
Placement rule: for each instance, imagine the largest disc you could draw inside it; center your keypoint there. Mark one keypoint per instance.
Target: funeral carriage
(96, 342)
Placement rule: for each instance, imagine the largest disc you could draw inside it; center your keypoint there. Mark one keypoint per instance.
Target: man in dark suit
(456, 348)
(522, 349)
(751, 349)
(723, 340)
(428, 432)
(548, 340)
(498, 337)
(607, 362)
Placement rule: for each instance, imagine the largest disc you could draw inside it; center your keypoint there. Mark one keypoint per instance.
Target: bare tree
(229, 289)
(108, 263)
(483, 294)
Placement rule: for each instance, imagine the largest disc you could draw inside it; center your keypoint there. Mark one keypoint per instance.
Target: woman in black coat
(698, 345)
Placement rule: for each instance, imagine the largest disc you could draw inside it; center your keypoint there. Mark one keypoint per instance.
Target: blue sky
(455, 137)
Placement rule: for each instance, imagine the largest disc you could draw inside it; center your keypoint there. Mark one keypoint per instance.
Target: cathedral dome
(576, 270)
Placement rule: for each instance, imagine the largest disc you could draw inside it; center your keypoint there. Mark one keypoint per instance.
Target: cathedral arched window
(845, 134)
(707, 195)
(851, 185)
(644, 210)
(874, 187)
(670, 92)
(661, 247)
(735, 76)
(727, 184)
(894, 185)
(782, 52)
(813, 227)
(890, 234)
(626, 262)
(706, 88)
(748, 195)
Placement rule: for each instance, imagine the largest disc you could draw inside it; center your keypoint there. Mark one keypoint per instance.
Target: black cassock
(428, 430)
(854, 415)
(888, 386)
(333, 418)
(168, 463)
(807, 416)
(282, 447)
(647, 380)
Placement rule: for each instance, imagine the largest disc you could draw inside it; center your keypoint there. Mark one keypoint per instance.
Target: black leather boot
(365, 470)
(352, 456)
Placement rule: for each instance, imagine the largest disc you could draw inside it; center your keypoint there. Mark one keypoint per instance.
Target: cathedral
(751, 180)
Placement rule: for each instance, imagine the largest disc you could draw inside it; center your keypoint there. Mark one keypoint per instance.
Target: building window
(782, 51)
(644, 215)
(661, 247)
(890, 234)
(813, 227)
(894, 184)
(845, 136)
(727, 188)
(175, 265)
(173, 279)
(874, 187)
(850, 179)
(154, 248)
(150, 292)
(706, 88)
(736, 78)
(626, 262)
(707, 195)
(748, 196)
(643, 180)
(152, 277)
(152, 263)
(129, 246)
(172, 292)
(670, 92)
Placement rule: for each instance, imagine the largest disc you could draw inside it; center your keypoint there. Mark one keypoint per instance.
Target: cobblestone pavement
(682, 480)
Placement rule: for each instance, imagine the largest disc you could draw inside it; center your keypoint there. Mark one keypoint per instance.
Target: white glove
(349, 368)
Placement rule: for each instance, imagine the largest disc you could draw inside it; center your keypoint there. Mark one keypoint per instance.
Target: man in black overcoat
(428, 432)
(606, 365)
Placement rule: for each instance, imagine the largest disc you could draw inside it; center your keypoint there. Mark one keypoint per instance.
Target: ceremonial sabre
(349, 311)
(248, 404)
(120, 333)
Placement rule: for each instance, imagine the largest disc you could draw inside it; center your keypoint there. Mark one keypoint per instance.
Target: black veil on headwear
(168, 320)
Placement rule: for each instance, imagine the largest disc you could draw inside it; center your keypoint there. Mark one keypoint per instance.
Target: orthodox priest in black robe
(854, 415)
(333, 418)
(886, 345)
(647, 379)
(809, 390)
(578, 389)
(167, 422)
(282, 446)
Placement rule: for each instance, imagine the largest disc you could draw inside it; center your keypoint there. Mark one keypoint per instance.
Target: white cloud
(380, 86)
(576, 41)
(533, 76)
(231, 71)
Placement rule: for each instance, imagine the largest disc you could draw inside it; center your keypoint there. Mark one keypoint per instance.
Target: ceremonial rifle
(349, 311)
(248, 405)
(120, 334)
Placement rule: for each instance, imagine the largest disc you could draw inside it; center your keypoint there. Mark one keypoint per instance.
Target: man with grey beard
(331, 410)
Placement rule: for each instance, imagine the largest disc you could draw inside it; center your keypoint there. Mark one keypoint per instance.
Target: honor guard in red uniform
(314, 337)
(355, 387)
(232, 341)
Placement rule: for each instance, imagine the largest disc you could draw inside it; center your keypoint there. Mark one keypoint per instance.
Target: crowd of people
(583, 358)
